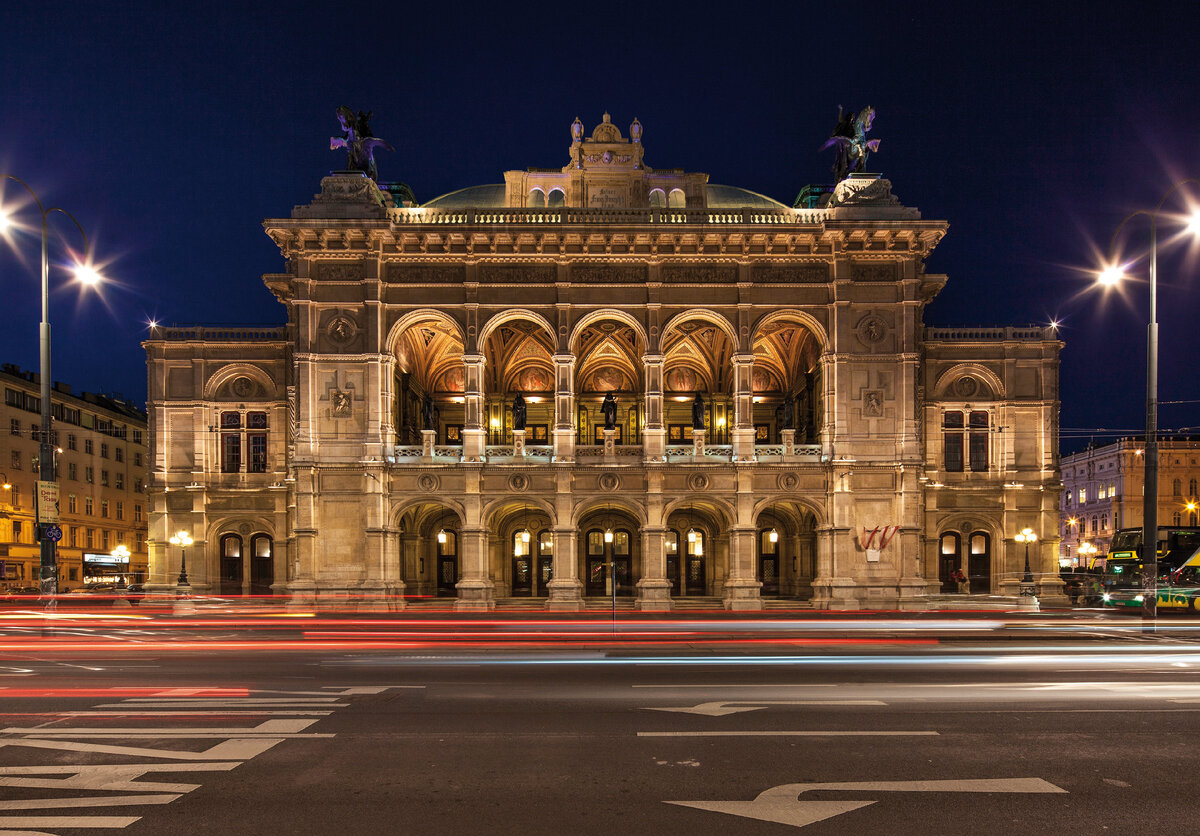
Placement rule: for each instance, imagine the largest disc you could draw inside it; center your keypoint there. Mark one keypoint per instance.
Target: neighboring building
(1103, 490)
(102, 463)
(368, 447)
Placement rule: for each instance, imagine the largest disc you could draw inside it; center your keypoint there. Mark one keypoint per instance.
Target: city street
(951, 726)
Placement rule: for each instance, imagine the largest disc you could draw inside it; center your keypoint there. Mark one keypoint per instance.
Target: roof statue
(357, 140)
(850, 139)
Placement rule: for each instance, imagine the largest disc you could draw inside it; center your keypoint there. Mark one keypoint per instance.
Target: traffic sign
(52, 532)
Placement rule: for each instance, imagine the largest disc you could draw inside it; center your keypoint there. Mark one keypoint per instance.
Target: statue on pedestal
(518, 412)
(850, 139)
(789, 414)
(609, 410)
(357, 140)
(698, 412)
(427, 413)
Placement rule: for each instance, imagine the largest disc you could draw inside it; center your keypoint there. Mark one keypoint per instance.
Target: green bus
(1178, 569)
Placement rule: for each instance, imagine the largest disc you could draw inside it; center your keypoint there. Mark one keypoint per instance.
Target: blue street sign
(53, 532)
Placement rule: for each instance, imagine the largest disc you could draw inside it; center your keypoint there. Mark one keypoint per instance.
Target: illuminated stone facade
(390, 463)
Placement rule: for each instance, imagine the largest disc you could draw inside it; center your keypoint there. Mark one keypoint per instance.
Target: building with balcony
(101, 466)
(720, 395)
(1103, 490)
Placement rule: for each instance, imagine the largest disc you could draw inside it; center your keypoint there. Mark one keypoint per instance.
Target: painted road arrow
(782, 805)
(721, 708)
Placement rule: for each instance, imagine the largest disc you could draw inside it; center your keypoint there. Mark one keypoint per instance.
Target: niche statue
(698, 412)
(789, 414)
(518, 412)
(609, 410)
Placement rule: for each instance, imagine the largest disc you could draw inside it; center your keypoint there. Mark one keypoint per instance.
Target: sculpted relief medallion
(609, 481)
(428, 482)
(518, 482)
(243, 387)
(341, 329)
(966, 387)
(871, 330)
(698, 482)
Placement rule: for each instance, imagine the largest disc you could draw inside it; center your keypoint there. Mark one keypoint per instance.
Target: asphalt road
(966, 735)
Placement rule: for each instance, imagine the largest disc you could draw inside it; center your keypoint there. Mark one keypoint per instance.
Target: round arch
(231, 525)
(947, 378)
(421, 315)
(705, 315)
(504, 506)
(509, 315)
(225, 374)
(606, 313)
(778, 503)
(588, 506)
(806, 319)
(400, 509)
(722, 510)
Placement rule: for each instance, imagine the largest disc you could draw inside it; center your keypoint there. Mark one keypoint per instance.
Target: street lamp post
(1026, 536)
(183, 540)
(1111, 275)
(47, 488)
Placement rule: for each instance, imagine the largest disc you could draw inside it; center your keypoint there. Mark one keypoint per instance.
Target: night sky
(171, 130)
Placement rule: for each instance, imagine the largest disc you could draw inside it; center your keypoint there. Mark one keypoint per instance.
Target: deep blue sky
(171, 130)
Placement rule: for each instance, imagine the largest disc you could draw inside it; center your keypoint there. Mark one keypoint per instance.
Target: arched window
(556, 198)
(1178, 487)
(658, 198)
(1104, 522)
(1095, 524)
(537, 198)
(1192, 488)
(1177, 518)
(677, 199)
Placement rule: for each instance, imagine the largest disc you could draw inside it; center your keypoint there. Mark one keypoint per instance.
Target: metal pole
(183, 579)
(1150, 488)
(612, 574)
(49, 563)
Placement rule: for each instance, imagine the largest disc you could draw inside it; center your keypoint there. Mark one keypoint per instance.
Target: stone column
(564, 410)
(474, 428)
(741, 591)
(654, 436)
(565, 590)
(475, 586)
(518, 444)
(743, 407)
(653, 589)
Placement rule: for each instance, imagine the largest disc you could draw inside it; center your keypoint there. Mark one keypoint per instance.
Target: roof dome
(490, 196)
(732, 197)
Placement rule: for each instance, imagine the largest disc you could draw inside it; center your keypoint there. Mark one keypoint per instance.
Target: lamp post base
(184, 605)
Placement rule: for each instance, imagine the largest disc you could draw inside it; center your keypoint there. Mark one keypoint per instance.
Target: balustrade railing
(596, 216)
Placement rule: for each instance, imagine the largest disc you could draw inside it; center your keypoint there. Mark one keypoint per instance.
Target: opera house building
(604, 375)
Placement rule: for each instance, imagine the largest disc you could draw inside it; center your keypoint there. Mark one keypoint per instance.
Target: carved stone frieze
(779, 274)
(699, 274)
(517, 274)
(874, 271)
(608, 273)
(426, 273)
(337, 271)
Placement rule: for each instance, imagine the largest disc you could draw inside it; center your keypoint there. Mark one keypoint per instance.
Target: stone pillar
(741, 591)
(564, 409)
(698, 443)
(654, 436)
(653, 589)
(475, 586)
(743, 407)
(518, 444)
(565, 589)
(789, 442)
(428, 438)
(303, 585)
(474, 428)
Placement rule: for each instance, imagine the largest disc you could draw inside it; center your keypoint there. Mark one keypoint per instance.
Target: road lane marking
(88, 801)
(100, 822)
(782, 804)
(151, 712)
(266, 727)
(787, 734)
(766, 685)
(106, 776)
(720, 709)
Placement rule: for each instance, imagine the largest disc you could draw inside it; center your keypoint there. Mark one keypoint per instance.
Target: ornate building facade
(722, 397)
(102, 458)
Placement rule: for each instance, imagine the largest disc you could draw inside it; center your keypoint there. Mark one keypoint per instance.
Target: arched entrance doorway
(979, 562)
(786, 550)
(689, 549)
(610, 551)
